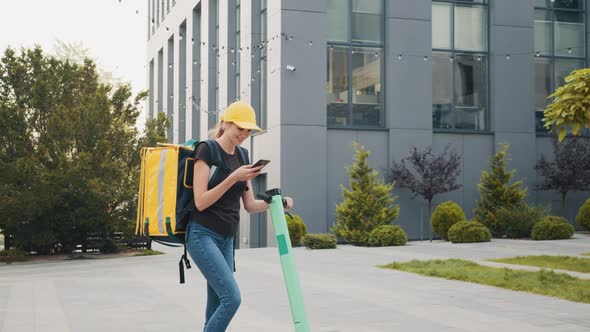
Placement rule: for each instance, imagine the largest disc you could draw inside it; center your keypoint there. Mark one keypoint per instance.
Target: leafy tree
(570, 107)
(367, 205)
(497, 192)
(427, 174)
(68, 152)
(569, 170)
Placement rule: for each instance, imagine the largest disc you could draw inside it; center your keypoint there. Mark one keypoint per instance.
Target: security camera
(291, 68)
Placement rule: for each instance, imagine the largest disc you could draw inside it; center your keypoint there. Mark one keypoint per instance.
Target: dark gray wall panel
(303, 97)
(408, 80)
(413, 9)
(512, 13)
(304, 173)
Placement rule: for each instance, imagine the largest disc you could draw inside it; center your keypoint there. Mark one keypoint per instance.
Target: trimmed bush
(388, 235)
(297, 228)
(517, 222)
(444, 217)
(583, 217)
(469, 232)
(13, 255)
(319, 241)
(552, 228)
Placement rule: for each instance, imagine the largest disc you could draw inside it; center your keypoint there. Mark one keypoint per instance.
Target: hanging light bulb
(399, 57)
(507, 56)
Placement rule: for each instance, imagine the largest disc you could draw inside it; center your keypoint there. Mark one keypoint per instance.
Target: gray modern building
(390, 74)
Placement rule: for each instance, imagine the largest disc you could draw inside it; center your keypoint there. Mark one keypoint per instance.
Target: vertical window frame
(351, 45)
(453, 52)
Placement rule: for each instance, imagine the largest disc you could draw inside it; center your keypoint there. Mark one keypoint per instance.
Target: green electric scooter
(277, 202)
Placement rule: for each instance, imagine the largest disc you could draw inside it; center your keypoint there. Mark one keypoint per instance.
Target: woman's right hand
(246, 172)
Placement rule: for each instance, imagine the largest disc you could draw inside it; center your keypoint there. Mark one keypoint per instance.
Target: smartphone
(261, 162)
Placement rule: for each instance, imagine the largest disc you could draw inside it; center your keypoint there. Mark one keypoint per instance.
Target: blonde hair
(217, 131)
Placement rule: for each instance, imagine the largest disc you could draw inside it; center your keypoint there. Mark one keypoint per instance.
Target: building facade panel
(391, 75)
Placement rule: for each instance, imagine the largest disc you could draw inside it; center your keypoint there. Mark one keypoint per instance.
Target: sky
(114, 32)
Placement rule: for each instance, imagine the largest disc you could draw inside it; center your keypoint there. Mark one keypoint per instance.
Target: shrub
(367, 204)
(583, 217)
(108, 247)
(13, 255)
(552, 228)
(497, 191)
(517, 221)
(445, 216)
(469, 232)
(319, 241)
(388, 235)
(297, 228)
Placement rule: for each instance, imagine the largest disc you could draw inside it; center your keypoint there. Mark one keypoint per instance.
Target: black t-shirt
(223, 216)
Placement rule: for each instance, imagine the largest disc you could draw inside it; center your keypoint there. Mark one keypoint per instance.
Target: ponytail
(217, 131)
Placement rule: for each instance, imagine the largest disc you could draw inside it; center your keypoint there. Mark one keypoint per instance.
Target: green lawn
(148, 253)
(586, 254)
(552, 262)
(541, 282)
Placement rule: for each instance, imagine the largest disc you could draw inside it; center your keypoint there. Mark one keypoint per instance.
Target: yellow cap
(242, 114)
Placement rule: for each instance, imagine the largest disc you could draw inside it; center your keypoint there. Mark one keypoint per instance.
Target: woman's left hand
(289, 202)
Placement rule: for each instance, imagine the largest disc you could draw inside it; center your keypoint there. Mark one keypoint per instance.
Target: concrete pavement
(343, 291)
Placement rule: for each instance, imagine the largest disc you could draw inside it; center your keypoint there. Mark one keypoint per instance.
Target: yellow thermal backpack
(166, 200)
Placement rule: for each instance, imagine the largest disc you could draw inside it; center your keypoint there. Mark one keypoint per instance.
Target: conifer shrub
(469, 232)
(445, 216)
(297, 228)
(367, 204)
(319, 241)
(388, 235)
(583, 217)
(497, 192)
(552, 228)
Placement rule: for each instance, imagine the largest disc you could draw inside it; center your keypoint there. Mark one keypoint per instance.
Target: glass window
(366, 21)
(442, 90)
(470, 28)
(441, 25)
(366, 86)
(569, 34)
(470, 91)
(338, 22)
(543, 84)
(355, 64)
(338, 112)
(543, 32)
(459, 65)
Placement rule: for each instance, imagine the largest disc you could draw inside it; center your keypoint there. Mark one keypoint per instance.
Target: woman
(214, 223)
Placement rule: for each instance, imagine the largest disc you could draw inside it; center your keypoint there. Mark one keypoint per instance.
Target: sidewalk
(343, 291)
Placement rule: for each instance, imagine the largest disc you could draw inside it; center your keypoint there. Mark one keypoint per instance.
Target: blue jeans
(214, 256)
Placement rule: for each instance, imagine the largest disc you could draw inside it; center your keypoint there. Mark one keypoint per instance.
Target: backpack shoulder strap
(243, 155)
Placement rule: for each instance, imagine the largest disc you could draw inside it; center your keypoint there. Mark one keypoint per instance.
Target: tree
(427, 174)
(68, 152)
(496, 191)
(569, 170)
(367, 205)
(570, 108)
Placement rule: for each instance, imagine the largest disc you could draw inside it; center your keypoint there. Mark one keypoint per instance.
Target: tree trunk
(429, 222)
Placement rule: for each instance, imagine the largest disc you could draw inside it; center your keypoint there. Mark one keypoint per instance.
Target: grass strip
(148, 252)
(553, 262)
(586, 254)
(540, 282)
